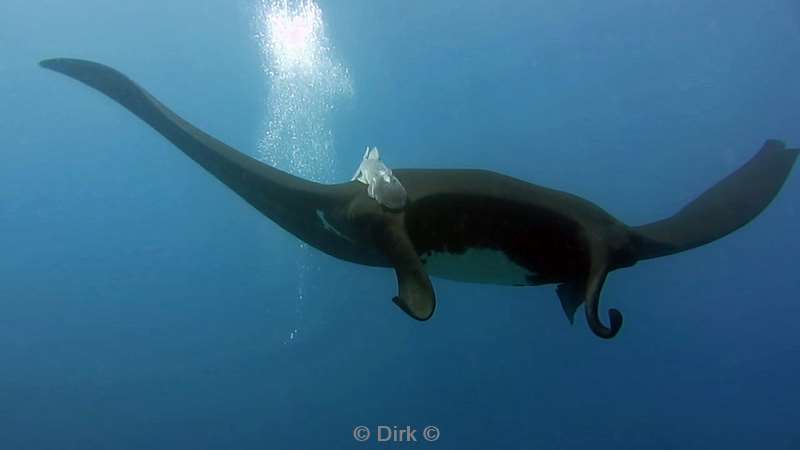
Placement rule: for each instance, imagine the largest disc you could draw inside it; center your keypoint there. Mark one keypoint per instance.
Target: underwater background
(144, 306)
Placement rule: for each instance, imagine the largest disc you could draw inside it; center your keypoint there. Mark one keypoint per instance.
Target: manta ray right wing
(725, 207)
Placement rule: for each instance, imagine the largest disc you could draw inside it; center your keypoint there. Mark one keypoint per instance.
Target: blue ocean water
(143, 305)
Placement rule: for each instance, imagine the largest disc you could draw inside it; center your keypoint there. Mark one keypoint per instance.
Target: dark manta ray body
(468, 225)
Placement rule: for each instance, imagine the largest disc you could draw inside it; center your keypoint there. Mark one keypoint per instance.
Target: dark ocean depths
(145, 306)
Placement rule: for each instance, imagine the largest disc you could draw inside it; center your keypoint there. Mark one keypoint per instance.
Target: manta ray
(473, 226)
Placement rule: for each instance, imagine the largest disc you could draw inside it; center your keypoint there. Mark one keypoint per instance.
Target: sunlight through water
(305, 82)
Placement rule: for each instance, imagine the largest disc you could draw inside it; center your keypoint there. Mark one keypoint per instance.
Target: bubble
(305, 82)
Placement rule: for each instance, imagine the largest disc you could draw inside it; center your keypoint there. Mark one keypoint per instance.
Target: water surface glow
(305, 82)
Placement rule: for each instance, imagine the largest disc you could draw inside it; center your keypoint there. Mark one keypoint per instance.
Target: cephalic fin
(594, 285)
(587, 291)
(415, 292)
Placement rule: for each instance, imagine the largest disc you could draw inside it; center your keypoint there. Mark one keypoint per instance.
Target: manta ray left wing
(264, 187)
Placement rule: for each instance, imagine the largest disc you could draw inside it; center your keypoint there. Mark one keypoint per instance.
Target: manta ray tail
(722, 209)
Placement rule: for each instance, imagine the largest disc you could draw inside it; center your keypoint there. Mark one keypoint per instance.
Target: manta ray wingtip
(51, 63)
(777, 145)
(68, 66)
(56, 64)
(774, 143)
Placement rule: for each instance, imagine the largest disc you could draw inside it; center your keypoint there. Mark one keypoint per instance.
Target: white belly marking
(476, 265)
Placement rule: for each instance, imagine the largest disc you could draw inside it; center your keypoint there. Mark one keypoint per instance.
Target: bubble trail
(305, 82)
